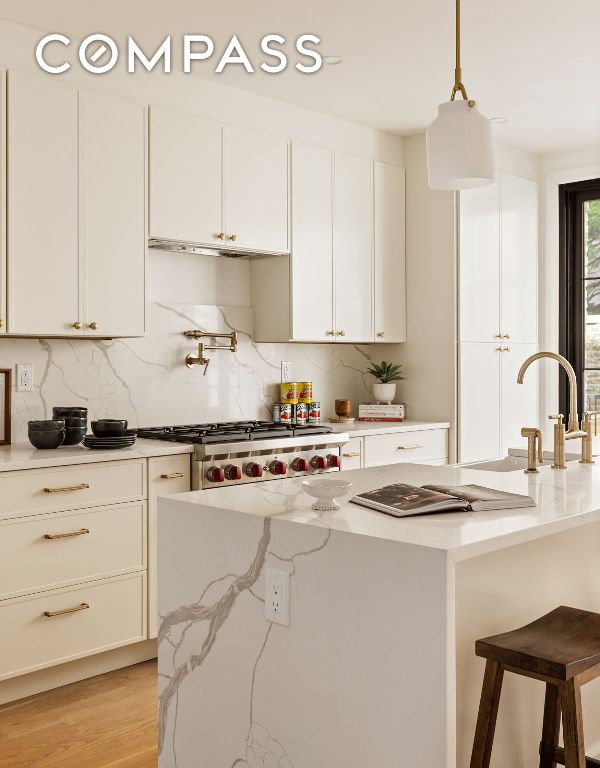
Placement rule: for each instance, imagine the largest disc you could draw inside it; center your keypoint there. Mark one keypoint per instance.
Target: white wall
(555, 169)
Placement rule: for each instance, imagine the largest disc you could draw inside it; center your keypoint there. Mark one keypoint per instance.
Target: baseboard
(73, 671)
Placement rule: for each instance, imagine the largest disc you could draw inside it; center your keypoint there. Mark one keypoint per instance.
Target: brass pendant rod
(458, 84)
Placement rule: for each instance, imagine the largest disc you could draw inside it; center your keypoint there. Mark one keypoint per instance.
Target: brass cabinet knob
(221, 235)
(498, 336)
(93, 326)
(77, 326)
(341, 333)
(233, 237)
(506, 335)
(1, 323)
(506, 349)
(331, 333)
(380, 335)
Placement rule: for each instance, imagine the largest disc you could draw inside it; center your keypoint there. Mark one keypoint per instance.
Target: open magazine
(401, 500)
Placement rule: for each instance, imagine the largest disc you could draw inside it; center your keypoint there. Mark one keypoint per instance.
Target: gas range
(237, 452)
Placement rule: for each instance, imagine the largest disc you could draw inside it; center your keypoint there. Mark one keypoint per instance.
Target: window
(580, 292)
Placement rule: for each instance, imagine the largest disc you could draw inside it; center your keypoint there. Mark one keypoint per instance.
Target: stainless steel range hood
(183, 246)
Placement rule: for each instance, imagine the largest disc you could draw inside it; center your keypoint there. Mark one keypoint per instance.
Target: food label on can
(314, 413)
(285, 413)
(289, 392)
(301, 413)
(305, 392)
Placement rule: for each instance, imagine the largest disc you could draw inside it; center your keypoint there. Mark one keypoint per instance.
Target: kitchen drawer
(30, 640)
(81, 485)
(396, 447)
(352, 453)
(166, 475)
(88, 544)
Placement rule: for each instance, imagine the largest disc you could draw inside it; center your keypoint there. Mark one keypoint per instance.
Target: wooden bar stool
(562, 649)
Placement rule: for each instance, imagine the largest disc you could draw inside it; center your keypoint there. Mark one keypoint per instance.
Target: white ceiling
(534, 62)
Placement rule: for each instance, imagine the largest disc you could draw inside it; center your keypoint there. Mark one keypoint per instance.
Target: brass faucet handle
(559, 418)
(206, 363)
(535, 452)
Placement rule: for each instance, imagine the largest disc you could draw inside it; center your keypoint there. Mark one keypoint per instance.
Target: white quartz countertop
(364, 428)
(564, 499)
(25, 456)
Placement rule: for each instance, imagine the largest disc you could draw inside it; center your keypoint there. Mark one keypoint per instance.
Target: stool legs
(570, 699)
(486, 718)
(551, 726)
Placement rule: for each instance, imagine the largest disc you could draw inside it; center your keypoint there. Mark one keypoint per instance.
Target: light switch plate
(277, 596)
(286, 371)
(24, 377)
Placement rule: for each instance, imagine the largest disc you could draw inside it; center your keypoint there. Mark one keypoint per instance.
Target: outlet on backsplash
(24, 377)
(286, 371)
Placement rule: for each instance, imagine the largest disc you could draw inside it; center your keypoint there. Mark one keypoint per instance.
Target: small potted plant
(387, 374)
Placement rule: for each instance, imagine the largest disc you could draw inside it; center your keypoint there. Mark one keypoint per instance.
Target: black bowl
(47, 439)
(46, 425)
(74, 435)
(109, 427)
(75, 421)
(59, 412)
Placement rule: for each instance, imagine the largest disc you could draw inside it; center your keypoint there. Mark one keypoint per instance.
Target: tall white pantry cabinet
(76, 201)
(498, 315)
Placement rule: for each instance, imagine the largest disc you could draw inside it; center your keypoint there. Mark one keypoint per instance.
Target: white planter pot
(384, 393)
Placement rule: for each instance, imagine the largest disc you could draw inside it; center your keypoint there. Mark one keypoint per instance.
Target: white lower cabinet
(78, 558)
(353, 453)
(493, 407)
(47, 628)
(166, 475)
(419, 446)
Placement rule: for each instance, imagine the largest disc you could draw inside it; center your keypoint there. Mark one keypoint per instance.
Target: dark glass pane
(592, 323)
(591, 238)
(591, 399)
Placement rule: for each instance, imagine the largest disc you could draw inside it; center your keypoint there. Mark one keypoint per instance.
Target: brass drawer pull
(409, 447)
(352, 455)
(172, 476)
(68, 535)
(65, 488)
(80, 607)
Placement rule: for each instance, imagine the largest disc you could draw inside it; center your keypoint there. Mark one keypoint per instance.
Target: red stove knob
(216, 474)
(318, 462)
(278, 468)
(254, 470)
(300, 465)
(334, 461)
(233, 472)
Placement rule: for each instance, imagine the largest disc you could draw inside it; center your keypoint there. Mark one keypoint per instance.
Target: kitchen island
(377, 667)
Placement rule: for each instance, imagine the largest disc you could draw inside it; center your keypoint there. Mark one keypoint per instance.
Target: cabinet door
(113, 171)
(390, 274)
(479, 407)
(186, 191)
(479, 271)
(312, 234)
(2, 202)
(353, 248)
(519, 227)
(519, 404)
(256, 190)
(43, 221)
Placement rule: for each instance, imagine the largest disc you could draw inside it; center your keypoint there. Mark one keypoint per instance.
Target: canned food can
(286, 413)
(305, 391)
(302, 413)
(314, 413)
(276, 413)
(289, 392)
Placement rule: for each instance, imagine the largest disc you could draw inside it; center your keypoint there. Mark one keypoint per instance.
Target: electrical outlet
(24, 377)
(277, 597)
(286, 371)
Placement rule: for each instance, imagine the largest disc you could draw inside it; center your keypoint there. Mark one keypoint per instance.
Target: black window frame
(571, 294)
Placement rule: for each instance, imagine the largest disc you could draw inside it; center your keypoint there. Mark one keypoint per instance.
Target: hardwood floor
(107, 721)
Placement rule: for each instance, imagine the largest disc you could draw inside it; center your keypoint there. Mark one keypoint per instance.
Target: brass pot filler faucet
(561, 434)
(203, 347)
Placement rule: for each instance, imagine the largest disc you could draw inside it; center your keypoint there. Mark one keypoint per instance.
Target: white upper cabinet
(255, 178)
(353, 248)
(479, 272)
(43, 195)
(519, 242)
(312, 236)
(389, 242)
(186, 186)
(2, 202)
(113, 163)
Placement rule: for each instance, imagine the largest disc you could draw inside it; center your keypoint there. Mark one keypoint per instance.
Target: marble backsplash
(145, 380)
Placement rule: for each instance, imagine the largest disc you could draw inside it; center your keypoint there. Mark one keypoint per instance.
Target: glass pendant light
(460, 146)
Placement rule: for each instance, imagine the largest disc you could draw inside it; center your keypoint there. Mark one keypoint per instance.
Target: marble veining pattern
(146, 381)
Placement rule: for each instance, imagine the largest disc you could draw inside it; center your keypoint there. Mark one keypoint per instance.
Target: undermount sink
(508, 464)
